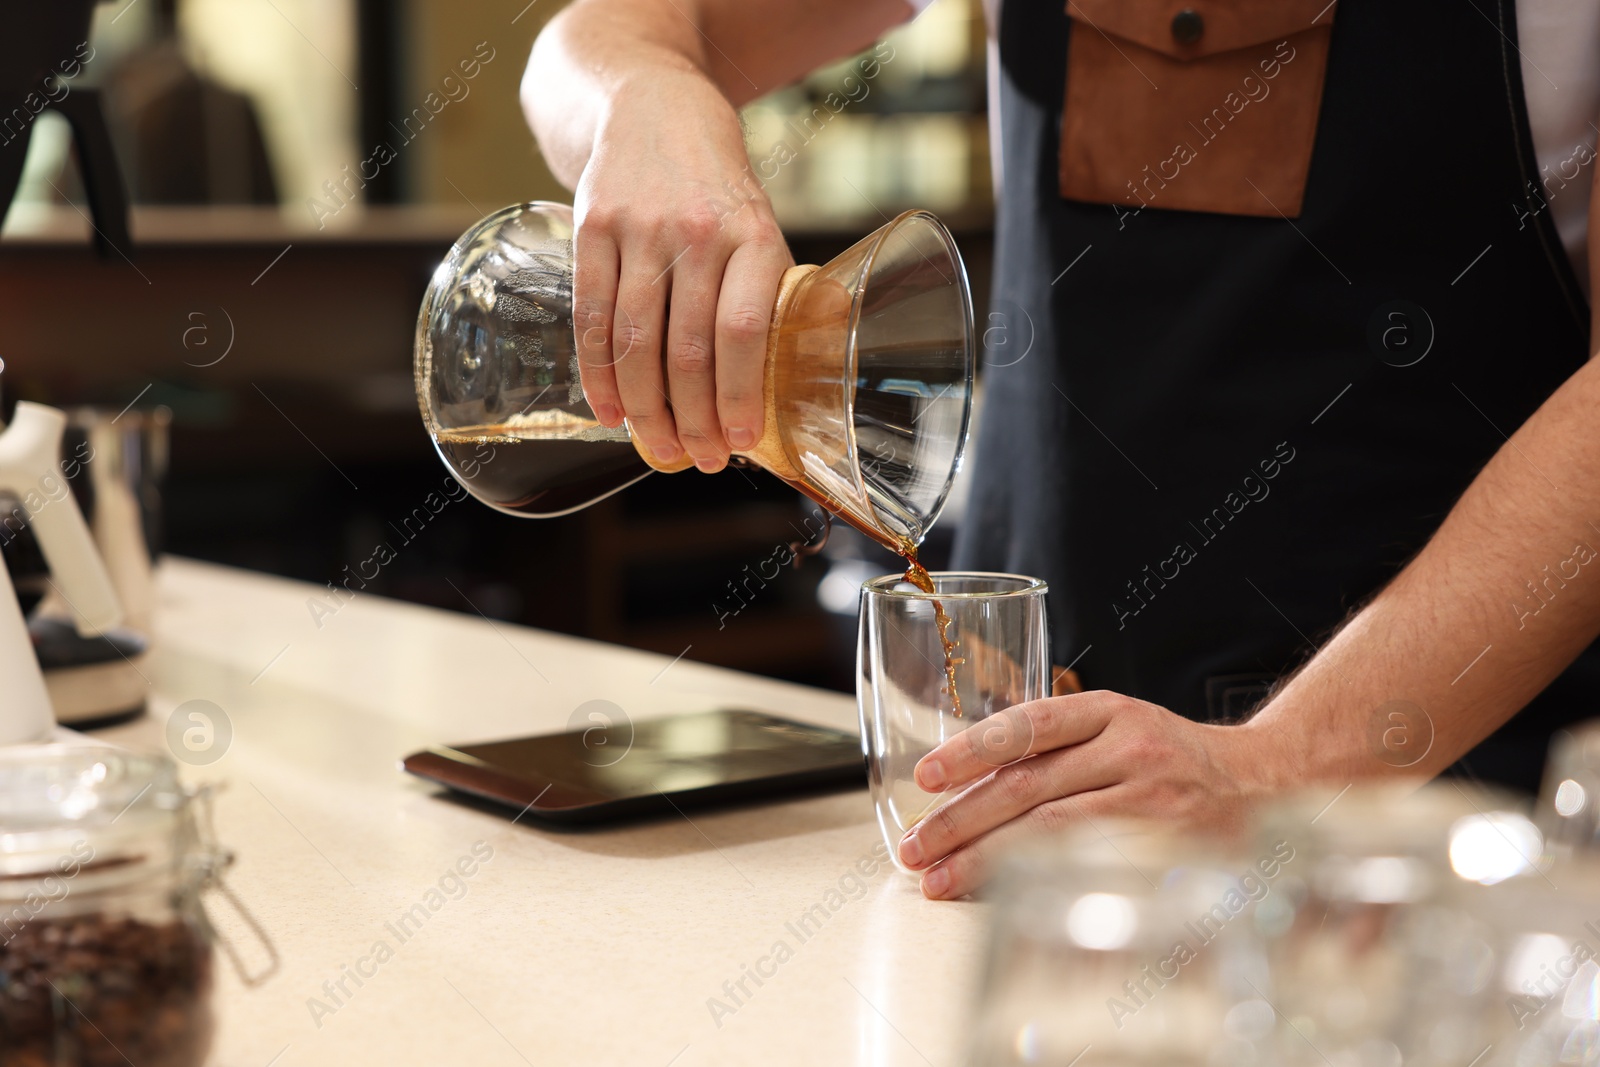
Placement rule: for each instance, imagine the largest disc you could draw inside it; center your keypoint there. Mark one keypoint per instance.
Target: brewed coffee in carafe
(517, 468)
(868, 379)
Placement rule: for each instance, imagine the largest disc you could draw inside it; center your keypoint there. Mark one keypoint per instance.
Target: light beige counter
(593, 947)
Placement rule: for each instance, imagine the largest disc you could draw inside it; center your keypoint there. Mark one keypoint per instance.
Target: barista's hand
(676, 243)
(1088, 756)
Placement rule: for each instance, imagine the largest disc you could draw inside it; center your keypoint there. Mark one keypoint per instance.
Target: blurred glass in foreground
(1378, 926)
(1123, 943)
(1569, 802)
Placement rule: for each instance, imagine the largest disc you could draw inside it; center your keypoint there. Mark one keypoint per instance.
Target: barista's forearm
(678, 55)
(1499, 602)
(590, 56)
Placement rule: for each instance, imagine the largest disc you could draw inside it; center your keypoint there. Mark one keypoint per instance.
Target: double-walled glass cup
(999, 655)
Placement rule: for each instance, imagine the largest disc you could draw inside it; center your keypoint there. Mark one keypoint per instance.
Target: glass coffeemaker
(868, 379)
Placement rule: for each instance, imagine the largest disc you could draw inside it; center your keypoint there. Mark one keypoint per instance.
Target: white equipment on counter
(30, 451)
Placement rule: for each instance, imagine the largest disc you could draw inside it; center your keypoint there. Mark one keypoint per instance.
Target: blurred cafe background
(295, 170)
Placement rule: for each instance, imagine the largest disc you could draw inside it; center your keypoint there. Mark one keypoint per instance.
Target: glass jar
(106, 956)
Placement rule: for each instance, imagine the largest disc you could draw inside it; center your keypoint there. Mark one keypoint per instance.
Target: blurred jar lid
(89, 806)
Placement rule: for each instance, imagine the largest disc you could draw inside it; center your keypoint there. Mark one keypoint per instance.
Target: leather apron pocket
(1193, 105)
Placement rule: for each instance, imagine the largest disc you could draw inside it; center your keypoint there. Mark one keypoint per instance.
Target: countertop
(612, 946)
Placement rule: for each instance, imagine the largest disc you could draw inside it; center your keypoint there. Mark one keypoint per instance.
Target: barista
(1295, 270)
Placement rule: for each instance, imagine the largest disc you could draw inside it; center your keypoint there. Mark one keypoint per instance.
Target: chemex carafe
(868, 379)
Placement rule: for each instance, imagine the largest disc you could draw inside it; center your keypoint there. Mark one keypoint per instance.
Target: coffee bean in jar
(105, 953)
(97, 991)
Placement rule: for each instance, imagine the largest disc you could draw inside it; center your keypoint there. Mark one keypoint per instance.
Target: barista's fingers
(967, 868)
(1025, 729)
(1028, 788)
(636, 353)
(691, 358)
(749, 289)
(594, 302)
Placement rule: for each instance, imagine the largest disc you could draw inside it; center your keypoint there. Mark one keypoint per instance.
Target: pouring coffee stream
(868, 393)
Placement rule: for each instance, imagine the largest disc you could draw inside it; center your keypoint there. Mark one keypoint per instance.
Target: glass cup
(999, 655)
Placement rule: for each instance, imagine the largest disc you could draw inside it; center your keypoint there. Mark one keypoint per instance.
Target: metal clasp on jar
(209, 862)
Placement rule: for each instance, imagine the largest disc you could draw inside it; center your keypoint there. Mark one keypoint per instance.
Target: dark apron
(1185, 355)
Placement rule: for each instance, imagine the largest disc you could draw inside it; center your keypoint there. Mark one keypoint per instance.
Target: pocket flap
(1191, 29)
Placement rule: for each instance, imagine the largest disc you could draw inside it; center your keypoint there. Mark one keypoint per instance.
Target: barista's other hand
(677, 252)
(1088, 756)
